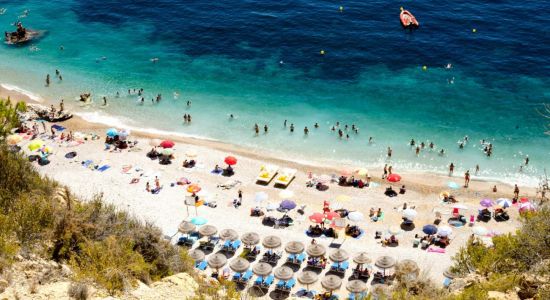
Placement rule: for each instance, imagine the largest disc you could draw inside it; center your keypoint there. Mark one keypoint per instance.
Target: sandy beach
(167, 209)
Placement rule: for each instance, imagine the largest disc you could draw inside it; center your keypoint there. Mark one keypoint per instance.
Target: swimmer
(422, 145)
(61, 48)
(185, 118)
(390, 151)
(60, 78)
(477, 170)
(284, 124)
(347, 136)
(333, 128)
(265, 128)
(231, 116)
(442, 152)
(256, 128)
(316, 125)
(461, 145)
(142, 100)
(527, 160)
(340, 133)
(117, 95)
(306, 131)
(57, 73)
(431, 145)
(104, 101)
(129, 92)
(48, 80)
(412, 143)
(371, 140)
(417, 150)
(291, 127)
(154, 59)
(188, 103)
(176, 95)
(448, 66)
(337, 124)
(346, 127)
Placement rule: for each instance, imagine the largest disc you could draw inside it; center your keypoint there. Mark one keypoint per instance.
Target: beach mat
(70, 155)
(103, 168)
(58, 127)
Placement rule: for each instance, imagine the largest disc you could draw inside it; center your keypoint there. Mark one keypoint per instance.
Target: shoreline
(425, 182)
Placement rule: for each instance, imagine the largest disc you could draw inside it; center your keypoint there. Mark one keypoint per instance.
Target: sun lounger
(290, 284)
(280, 284)
(236, 276)
(246, 277)
(268, 281)
(300, 258)
(285, 176)
(202, 265)
(258, 280)
(436, 250)
(267, 173)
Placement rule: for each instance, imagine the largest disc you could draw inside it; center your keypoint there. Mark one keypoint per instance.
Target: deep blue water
(261, 61)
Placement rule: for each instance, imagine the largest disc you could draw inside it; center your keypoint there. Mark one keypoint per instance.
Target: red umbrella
(317, 218)
(332, 215)
(230, 160)
(524, 200)
(394, 178)
(167, 144)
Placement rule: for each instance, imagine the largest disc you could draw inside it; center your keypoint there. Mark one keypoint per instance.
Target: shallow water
(261, 61)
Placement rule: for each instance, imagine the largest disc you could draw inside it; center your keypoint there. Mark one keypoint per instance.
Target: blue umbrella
(288, 204)
(112, 132)
(429, 229)
(453, 185)
(198, 221)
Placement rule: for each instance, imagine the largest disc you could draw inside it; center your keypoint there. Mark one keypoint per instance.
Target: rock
(3, 285)
(502, 296)
(66, 271)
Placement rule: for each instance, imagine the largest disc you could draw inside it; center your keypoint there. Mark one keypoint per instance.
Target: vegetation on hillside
(101, 243)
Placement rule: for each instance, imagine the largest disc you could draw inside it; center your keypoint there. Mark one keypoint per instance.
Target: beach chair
(280, 284)
(447, 281)
(267, 173)
(246, 276)
(202, 265)
(334, 267)
(290, 284)
(285, 176)
(258, 280)
(237, 276)
(344, 266)
(300, 258)
(268, 281)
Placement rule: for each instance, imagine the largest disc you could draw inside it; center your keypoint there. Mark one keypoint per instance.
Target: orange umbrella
(193, 188)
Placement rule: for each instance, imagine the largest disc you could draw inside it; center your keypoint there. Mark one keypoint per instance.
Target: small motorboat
(407, 19)
(21, 35)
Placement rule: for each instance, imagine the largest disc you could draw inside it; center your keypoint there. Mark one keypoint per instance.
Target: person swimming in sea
(284, 124)
(265, 128)
(117, 95)
(48, 80)
(142, 100)
(256, 128)
(306, 131)
(104, 101)
(333, 128)
(390, 151)
(371, 140)
(417, 150)
(231, 116)
(316, 125)
(442, 152)
(340, 133)
(412, 143)
(188, 103)
(185, 118)
(291, 127)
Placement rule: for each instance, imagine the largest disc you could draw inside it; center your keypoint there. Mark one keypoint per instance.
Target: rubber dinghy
(407, 19)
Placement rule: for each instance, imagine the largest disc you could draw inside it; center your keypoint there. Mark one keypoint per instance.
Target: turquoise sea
(262, 62)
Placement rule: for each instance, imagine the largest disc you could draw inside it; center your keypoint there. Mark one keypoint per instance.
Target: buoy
(474, 30)
(341, 8)
(424, 68)
(322, 52)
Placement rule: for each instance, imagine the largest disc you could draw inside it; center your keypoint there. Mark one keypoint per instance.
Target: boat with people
(407, 19)
(21, 35)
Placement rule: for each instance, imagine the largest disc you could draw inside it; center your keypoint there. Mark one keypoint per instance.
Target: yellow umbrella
(343, 198)
(362, 172)
(13, 139)
(35, 145)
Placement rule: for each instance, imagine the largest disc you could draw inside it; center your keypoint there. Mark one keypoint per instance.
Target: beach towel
(126, 169)
(103, 168)
(87, 163)
(436, 250)
(156, 191)
(58, 127)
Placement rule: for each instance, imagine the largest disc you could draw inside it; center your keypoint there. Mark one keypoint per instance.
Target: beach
(167, 209)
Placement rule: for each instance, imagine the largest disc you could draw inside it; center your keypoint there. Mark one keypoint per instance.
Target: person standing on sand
(385, 171)
(389, 170)
(451, 169)
(516, 192)
(466, 178)
(389, 152)
(494, 189)
(240, 195)
(157, 183)
(61, 106)
(148, 187)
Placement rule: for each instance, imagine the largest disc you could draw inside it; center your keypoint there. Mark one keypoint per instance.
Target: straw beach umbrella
(216, 261)
(307, 278)
(283, 273)
(331, 283)
(239, 265)
(407, 270)
(262, 269)
(229, 234)
(250, 238)
(385, 262)
(356, 287)
(339, 255)
(294, 247)
(316, 250)
(186, 227)
(362, 258)
(208, 230)
(271, 242)
(196, 255)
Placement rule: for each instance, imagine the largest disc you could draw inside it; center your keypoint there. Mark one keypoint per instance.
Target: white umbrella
(480, 230)
(286, 194)
(409, 213)
(504, 202)
(394, 230)
(261, 196)
(444, 231)
(355, 216)
(191, 153)
(460, 206)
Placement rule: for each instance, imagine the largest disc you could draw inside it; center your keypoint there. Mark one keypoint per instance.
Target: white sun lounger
(267, 173)
(285, 176)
